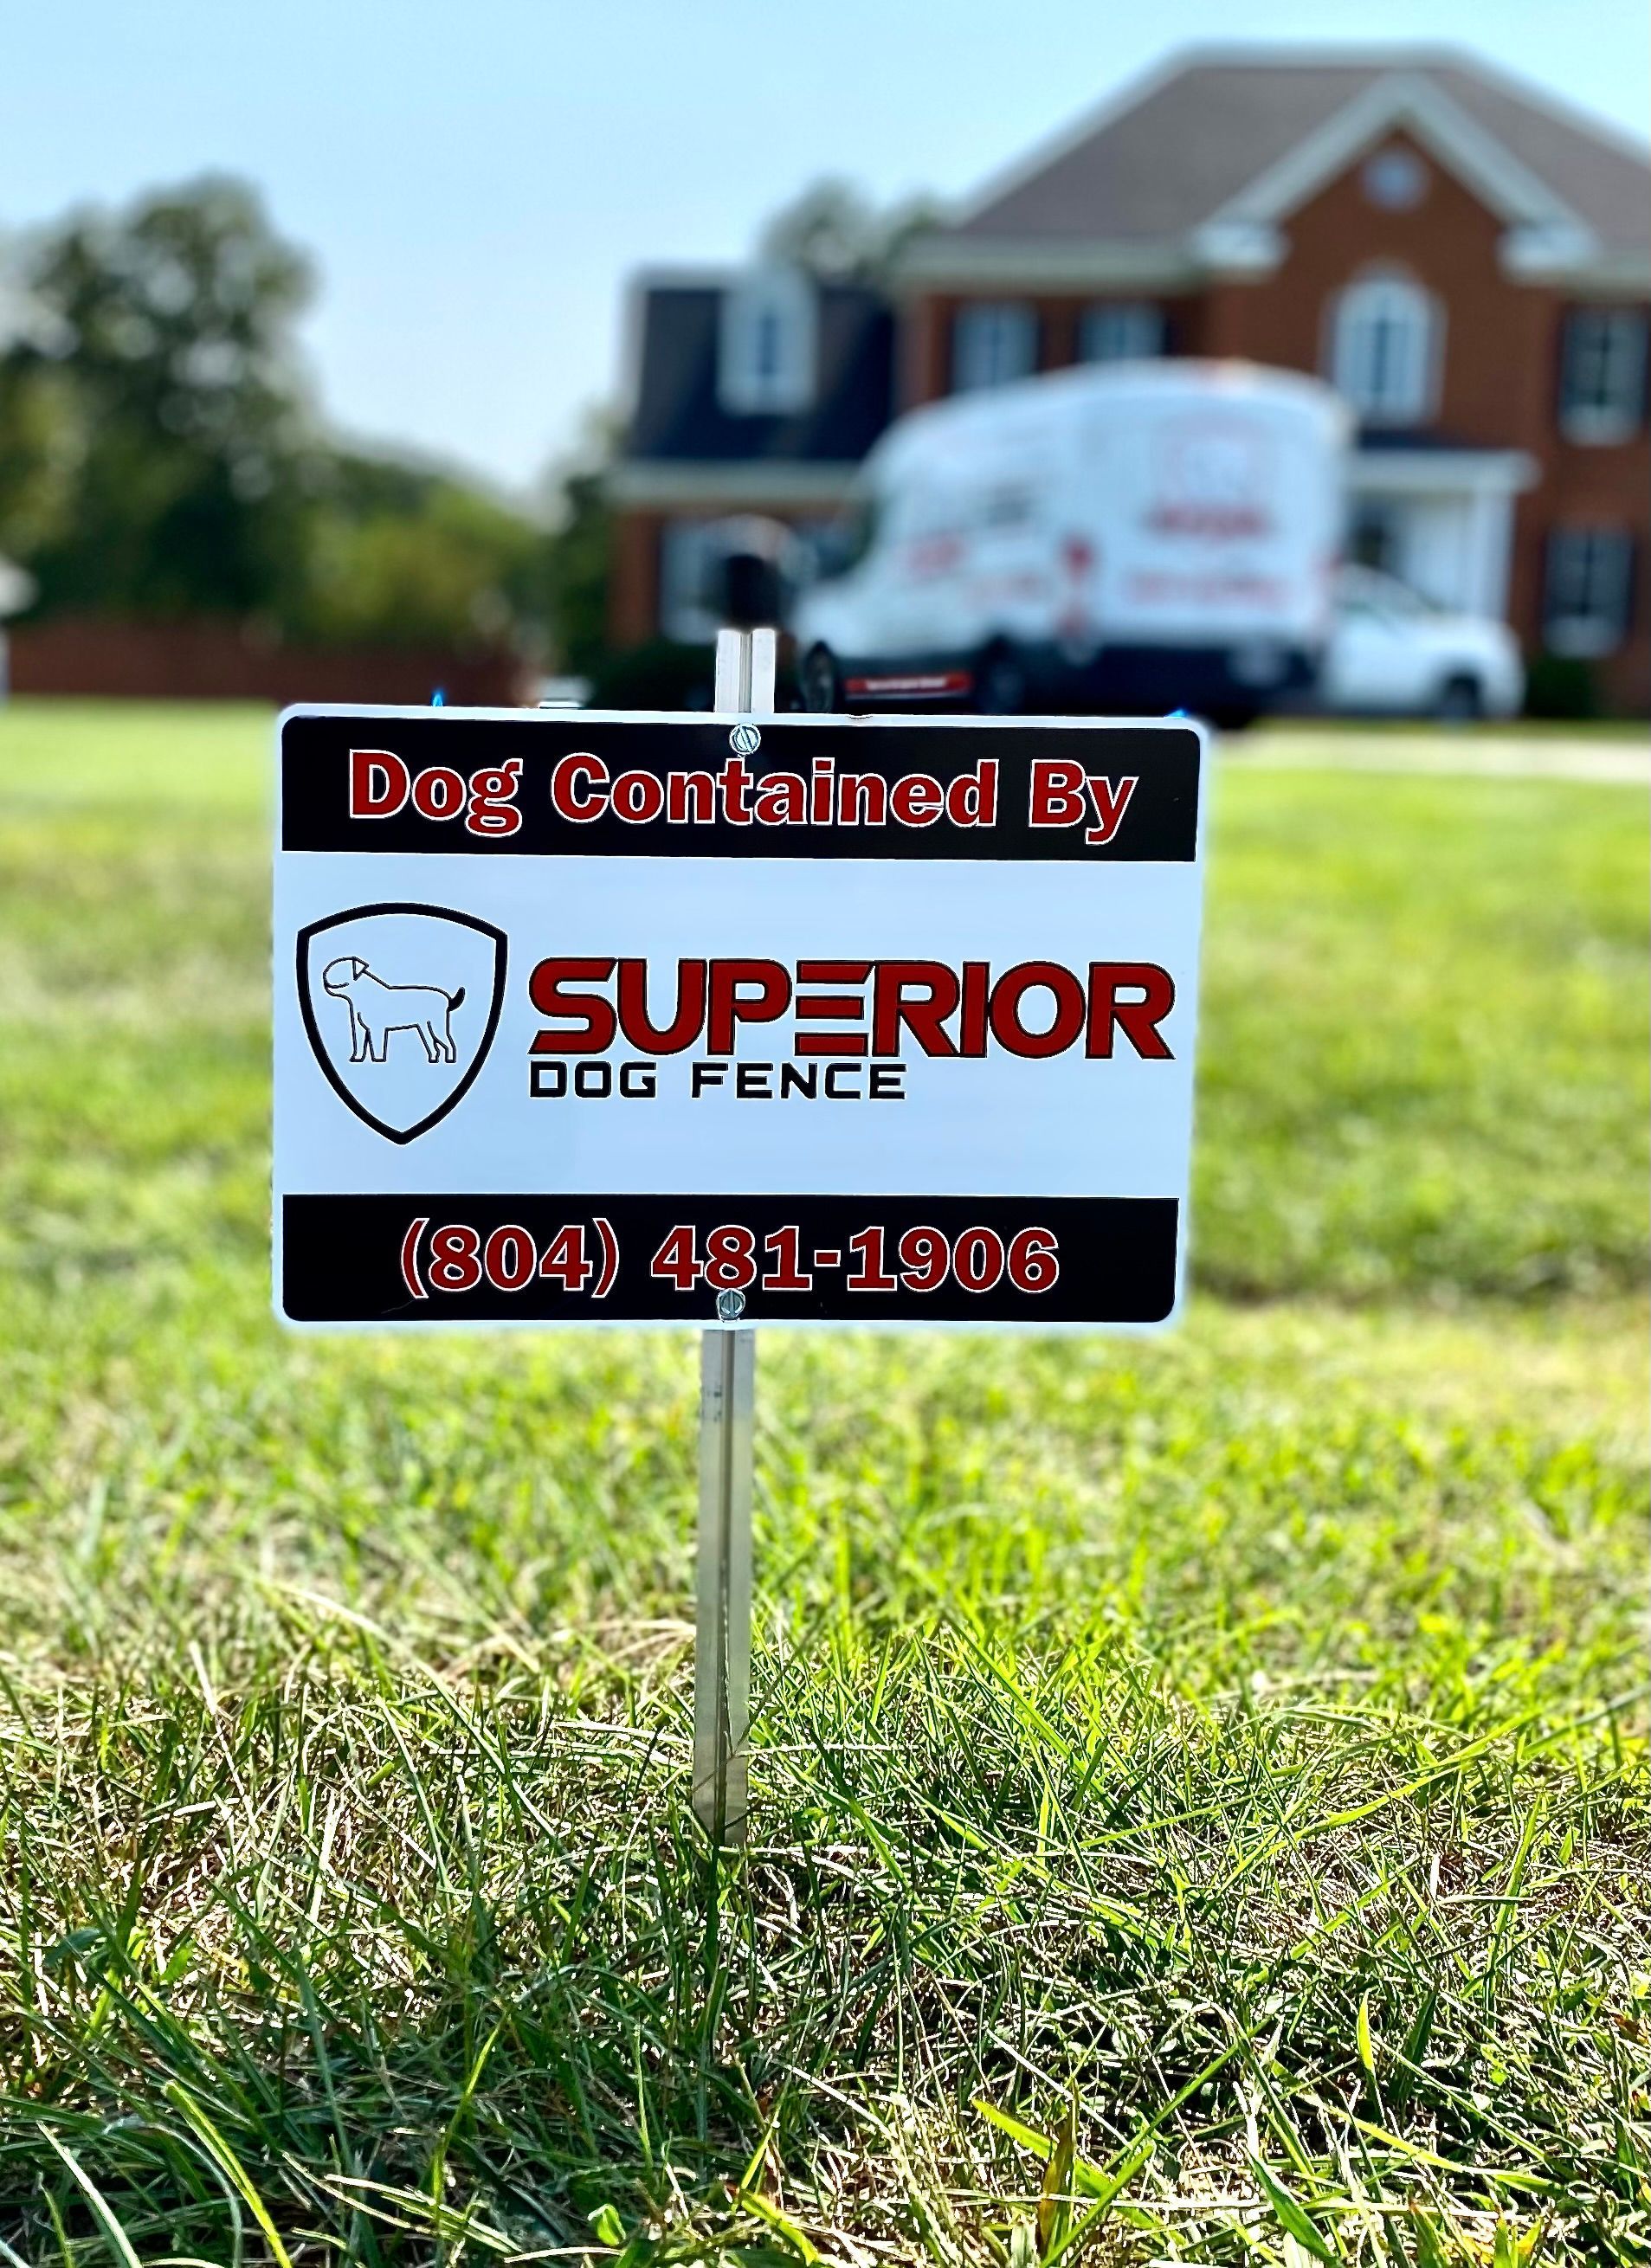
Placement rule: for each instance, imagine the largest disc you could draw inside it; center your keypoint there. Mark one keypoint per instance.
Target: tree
(159, 455)
(400, 555)
(578, 559)
(35, 462)
(162, 339)
(834, 230)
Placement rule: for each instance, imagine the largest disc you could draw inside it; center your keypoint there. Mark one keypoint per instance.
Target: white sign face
(594, 1018)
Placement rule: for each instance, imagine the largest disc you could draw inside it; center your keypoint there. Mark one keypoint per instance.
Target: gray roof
(1162, 164)
(677, 416)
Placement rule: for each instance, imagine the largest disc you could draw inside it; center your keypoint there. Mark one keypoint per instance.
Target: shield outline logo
(318, 1047)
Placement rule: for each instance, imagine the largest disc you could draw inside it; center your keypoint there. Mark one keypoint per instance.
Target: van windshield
(966, 508)
(844, 542)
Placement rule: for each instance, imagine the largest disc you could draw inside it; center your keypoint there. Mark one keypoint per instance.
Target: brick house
(752, 392)
(1467, 263)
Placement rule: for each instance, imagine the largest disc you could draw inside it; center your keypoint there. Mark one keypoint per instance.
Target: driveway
(1462, 752)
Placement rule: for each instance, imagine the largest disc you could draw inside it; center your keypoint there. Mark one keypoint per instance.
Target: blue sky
(475, 177)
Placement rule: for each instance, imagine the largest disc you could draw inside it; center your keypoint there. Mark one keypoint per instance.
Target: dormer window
(1385, 350)
(768, 344)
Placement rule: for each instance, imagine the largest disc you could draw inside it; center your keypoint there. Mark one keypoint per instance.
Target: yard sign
(733, 1019)
(589, 1018)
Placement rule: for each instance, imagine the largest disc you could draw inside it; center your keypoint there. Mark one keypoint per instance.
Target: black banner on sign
(911, 1260)
(572, 782)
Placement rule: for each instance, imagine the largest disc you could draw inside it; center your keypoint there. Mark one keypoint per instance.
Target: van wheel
(819, 677)
(1460, 701)
(1000, 683)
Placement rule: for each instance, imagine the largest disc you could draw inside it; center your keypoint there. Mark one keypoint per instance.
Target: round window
(1395, 180)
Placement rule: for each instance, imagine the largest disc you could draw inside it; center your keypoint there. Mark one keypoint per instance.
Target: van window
(920, 515)
(844, 542)
(1013, 504)
(923, 515)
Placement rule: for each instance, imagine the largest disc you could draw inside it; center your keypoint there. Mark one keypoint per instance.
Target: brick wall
(633, 591)
(1592, 485)
(1501, 368)
(925, 353)
(224, 661)
(1501, 385)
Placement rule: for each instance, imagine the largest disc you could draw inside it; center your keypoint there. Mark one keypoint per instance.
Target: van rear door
(1217, 516)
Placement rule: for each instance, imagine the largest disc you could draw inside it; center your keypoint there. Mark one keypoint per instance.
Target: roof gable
(1219, 139)
(1603, 178)
(1412, 100)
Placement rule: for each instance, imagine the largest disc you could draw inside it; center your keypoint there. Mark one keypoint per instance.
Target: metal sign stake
(727, 1394)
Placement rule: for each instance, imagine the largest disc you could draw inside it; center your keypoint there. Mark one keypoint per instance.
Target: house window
(1122, 331)
(991, 345)
(1586, 603)
(689, 550)
(1601, 382)
(768, 344)
(1375, 535)
(1395, 179)
(1384, 350)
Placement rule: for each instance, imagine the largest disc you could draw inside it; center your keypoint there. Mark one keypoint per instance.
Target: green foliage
(167, 331)
(1200, 1781)
(1560, 686)
(416, 559)
(578, 572)
(36, 458)
(158, 456)
(662, 675)
(833, 229)
(1426, 1039)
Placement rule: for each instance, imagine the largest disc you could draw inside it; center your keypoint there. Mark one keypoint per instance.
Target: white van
(1144, 537)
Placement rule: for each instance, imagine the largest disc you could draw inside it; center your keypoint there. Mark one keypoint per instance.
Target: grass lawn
(1201, 1778)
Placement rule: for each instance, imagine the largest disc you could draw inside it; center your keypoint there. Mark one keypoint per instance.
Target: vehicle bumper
(1132, 681)
(1248, 676)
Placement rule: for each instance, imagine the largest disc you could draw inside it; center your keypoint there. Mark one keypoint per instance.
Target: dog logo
(400, 1004)
(377, 1009)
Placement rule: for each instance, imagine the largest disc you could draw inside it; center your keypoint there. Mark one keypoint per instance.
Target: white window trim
(1600, 424)
(1144, 314)
(787, 297)
(685, 555)
(1426, 406)
(1014, 312)
(1589, 635)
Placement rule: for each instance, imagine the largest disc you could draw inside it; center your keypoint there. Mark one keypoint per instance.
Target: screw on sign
(956, 968)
